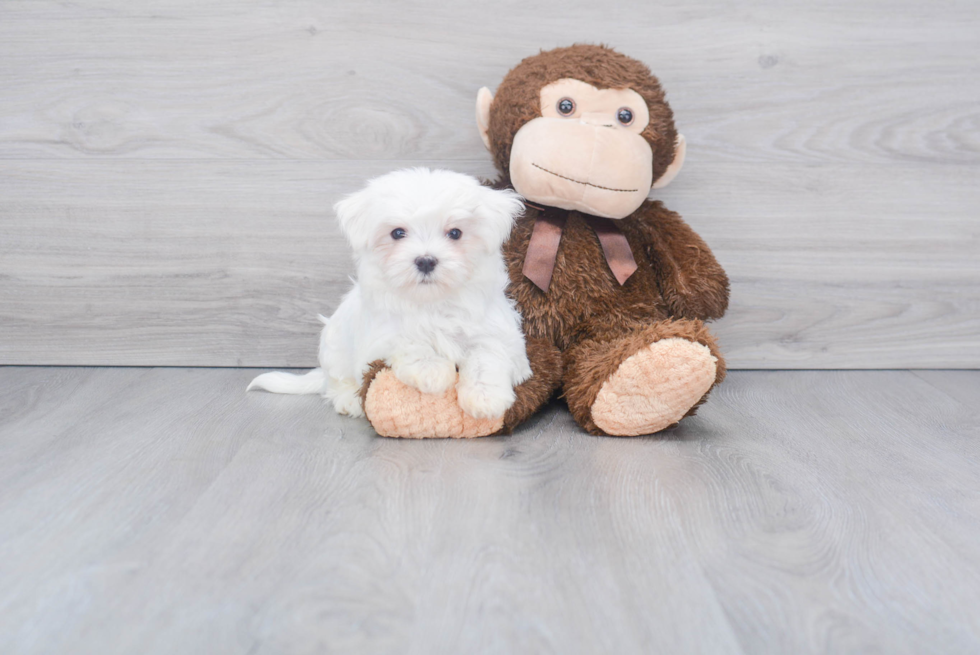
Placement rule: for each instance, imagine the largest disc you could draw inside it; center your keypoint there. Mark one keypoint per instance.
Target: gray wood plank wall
(167, 169)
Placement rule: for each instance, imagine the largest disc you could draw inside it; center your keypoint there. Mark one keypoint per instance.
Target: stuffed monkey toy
(614, 288)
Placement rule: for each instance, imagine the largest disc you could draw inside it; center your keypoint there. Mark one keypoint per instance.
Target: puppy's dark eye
(566, 106)
(625, 115)
(398, 233)
(454, 234)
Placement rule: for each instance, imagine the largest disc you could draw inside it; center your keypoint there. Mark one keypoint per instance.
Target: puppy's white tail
(279, 382)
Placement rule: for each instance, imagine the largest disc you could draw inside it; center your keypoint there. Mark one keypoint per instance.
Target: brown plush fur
(518, 97)
(677, 277)
(595, 323)
(599, 324)
(546, 368)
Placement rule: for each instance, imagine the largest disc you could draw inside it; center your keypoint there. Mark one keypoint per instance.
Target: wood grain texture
(167, 168)
(165, 510)
(825, 82)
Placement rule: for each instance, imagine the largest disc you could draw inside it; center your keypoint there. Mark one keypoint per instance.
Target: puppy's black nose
(426, 264)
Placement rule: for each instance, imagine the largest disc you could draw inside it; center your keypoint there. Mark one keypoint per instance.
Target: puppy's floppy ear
(353, 214)
(497, 211)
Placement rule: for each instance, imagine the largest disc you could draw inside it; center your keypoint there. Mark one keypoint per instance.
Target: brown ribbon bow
(542, 249)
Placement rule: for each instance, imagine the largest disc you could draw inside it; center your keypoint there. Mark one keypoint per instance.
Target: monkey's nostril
(426, 264)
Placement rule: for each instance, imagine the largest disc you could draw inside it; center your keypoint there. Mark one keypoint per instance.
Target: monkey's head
(582, 128)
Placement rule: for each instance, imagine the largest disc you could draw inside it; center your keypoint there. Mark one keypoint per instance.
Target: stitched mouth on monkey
(595, 186)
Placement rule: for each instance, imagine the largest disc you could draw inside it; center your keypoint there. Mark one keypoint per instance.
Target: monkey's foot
(398, 410)
(654, 388)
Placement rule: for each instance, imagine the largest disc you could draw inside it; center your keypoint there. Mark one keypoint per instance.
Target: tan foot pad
(654, 388)
(398, 410)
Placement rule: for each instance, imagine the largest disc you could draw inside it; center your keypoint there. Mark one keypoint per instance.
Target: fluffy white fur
(425, 325)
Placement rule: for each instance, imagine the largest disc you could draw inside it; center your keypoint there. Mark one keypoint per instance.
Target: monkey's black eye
(398, 233)
(454, 234)
(566, 106)
(625, 115)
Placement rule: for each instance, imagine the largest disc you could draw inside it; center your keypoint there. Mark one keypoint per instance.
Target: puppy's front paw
(483, 400)
(430, 375)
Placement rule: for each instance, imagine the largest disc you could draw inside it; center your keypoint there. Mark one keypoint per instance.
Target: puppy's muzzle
(426, 264)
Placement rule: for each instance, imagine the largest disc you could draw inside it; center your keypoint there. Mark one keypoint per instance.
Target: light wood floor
(166, 511)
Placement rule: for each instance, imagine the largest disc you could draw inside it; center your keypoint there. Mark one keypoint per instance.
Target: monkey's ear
(483, 100)
(680, 149)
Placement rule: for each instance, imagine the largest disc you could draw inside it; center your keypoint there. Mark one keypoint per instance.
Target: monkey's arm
(691, 280)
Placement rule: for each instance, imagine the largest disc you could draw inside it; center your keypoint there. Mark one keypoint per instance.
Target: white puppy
(429, 295)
